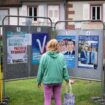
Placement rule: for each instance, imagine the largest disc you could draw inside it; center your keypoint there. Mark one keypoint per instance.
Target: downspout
(65, 6)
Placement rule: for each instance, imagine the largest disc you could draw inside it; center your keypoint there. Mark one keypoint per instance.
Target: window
(53, 12)
(96, 12)
(33, 12)
(3, 13)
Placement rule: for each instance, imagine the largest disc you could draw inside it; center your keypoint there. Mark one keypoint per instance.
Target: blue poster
(88, 52)
(67, 47)
(39, 41)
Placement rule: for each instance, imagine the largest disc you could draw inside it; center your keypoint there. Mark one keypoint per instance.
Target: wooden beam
(10, 3)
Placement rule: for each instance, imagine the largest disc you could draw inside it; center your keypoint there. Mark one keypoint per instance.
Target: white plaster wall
(78, 8)
(13, 20)
(82, 10)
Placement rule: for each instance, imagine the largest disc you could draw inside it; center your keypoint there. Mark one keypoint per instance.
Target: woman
(52, 70)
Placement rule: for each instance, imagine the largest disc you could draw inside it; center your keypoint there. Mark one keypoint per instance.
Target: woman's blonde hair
(52, 45)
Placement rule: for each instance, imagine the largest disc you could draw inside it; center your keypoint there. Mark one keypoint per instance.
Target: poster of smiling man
(67, 47)
(88, 52)
(39, 41)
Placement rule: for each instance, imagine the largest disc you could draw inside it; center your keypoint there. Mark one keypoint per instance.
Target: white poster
(16, 47)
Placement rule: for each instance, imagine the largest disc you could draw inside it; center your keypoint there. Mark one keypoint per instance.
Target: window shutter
(41, 12)
(53, 13)
(22, 10)
(3, 13)
(86, 12)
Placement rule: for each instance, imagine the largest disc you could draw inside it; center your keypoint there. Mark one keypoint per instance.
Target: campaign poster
(39, 41)
(67, 47)
(16, 47)
(88, 51)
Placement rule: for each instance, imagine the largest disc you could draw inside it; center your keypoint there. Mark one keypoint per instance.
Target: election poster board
(39, 41)
(88, 51)
(17, 47)
(67, 47)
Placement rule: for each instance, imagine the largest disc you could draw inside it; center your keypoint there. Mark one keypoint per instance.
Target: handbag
(69, 98)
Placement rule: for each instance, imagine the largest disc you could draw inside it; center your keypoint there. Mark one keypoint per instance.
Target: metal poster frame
(29, 28)
(101, 99)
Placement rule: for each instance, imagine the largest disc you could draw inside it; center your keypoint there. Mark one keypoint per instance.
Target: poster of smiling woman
(67, 47)
(39, 41)
(17, 47)
(88, 52)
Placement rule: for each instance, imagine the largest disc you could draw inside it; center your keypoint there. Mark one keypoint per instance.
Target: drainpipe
(66, 14)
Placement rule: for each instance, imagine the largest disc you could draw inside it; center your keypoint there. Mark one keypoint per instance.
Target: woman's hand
(71, 81)
(39, 85)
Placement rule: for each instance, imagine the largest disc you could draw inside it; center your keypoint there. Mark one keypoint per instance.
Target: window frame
(101, 11)
(54, 5)
(33, 7)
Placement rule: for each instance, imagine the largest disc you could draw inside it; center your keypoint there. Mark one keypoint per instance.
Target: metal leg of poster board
(3, 100)
(104, 84)
(29, 49)
(101, 100)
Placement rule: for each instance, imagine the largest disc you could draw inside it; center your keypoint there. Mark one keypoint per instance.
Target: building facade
(54, 9)
(85, 10)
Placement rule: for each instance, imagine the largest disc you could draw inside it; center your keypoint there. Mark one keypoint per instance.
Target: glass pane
(53, 12)
(35, 13)
(50, 13)
(98, 13)
(56, 13)
(30, 11)
(93, 13)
